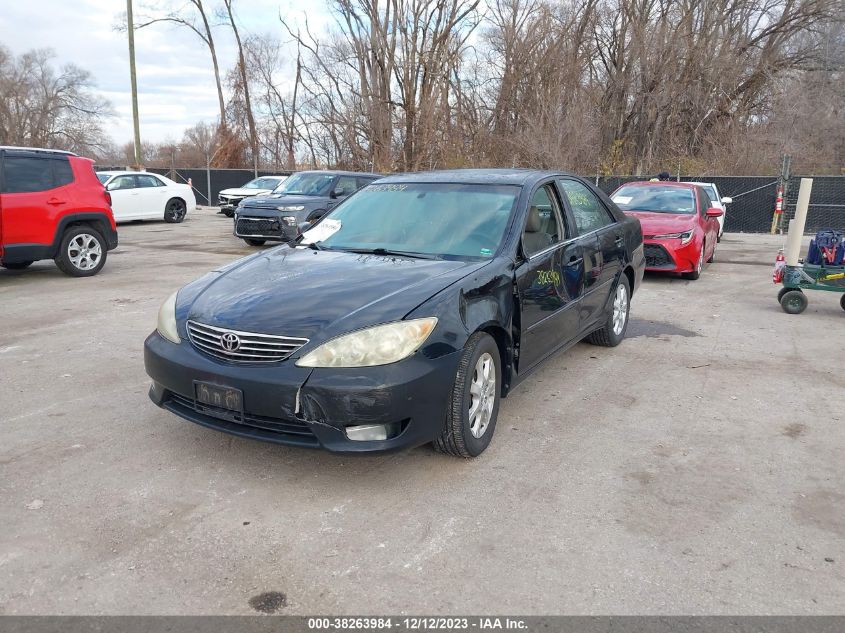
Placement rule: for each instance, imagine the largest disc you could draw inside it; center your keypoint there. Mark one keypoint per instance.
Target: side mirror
(304, 226)
(111, 186)
(727, 200)
(337, 193)
(714, 213)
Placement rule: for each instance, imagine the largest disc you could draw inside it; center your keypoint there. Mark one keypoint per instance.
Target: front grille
(296, 428)
(225, 200)
(657, 257)
(242, 347)
(260, 227)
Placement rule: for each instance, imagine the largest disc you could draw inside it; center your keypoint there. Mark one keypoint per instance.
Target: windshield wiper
(388, 252)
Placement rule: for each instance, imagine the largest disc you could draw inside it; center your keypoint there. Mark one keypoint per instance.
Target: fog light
(371, 432)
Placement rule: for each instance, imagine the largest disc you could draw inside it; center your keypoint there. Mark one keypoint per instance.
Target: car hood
(237, 191)
(277, 199)
(317, 294)
(659, 223)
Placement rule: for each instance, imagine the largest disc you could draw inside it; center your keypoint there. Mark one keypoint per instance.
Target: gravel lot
(697, 468)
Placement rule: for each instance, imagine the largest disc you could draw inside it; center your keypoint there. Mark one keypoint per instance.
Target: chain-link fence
(750, 211)
(754, 200)
(827, 203)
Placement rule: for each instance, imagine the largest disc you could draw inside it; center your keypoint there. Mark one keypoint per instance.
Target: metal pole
(208, 178)
(131, 30)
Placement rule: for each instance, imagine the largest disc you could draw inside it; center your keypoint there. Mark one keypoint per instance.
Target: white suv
(718, 202)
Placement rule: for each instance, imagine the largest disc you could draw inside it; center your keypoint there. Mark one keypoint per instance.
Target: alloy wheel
(84, 251)
(620, 309)
(482, 392)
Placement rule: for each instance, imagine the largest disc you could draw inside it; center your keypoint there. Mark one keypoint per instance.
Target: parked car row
(400, 309)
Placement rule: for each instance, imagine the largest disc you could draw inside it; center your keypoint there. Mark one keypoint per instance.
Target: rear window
(655, 198)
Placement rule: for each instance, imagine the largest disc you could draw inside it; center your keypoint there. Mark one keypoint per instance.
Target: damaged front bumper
(286, 404)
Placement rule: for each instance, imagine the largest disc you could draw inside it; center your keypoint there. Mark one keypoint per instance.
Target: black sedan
(303, 198)
(403, 316)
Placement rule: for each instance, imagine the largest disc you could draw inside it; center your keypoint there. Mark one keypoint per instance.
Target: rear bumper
(286, 404)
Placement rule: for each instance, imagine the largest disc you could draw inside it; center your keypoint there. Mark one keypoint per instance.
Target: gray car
(304, 197)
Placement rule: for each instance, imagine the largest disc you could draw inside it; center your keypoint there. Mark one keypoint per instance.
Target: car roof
(37, 149)
(128, 173)
(335, 172)
(475, 176)
(702, 184)
(664, 183)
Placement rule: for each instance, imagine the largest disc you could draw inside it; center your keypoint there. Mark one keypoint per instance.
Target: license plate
(220, 397)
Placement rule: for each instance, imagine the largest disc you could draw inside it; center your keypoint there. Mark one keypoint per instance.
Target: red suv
(52, 206)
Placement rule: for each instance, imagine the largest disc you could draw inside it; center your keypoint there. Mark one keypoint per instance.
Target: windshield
(441, 220)
(103, 177)
(262, 183)
(307, 184)
(656, 198)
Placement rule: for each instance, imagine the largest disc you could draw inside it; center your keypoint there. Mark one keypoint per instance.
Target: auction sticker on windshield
(324, 229)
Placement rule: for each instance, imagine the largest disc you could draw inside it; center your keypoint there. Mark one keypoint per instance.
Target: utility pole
(131, 30)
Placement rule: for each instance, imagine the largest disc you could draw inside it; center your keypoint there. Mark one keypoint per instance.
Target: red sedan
(680, 225)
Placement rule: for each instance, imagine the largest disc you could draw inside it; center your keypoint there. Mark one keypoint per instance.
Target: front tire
(697, 272)
(617, 321)
(175, 211)
(82, 252)
(793, 302)
(842, 302)
(252, 242)
(474, 401)
(16, 265)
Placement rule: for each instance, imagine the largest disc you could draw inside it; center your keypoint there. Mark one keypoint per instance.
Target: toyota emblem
(230, 341)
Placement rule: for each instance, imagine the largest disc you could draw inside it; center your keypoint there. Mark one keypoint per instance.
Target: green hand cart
(797, 279)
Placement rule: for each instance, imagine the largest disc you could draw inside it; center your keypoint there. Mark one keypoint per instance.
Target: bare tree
(50, 107)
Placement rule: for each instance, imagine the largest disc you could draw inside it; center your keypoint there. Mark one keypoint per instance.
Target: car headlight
(167, 319)
(293, 207)
(685, 237)
(378, 345)
(289, 220)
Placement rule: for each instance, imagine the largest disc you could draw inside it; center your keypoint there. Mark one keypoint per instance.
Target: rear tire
(617, 321)
(17, 265)
(474, 401)
(82, 252)
(252, 242)
(842, 302)
(793, 302)
(175, 211)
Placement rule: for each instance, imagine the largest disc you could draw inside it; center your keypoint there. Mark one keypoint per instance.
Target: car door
(30, 199)
(152, 196)
(124, 197)
(549, 279)
(603, 243)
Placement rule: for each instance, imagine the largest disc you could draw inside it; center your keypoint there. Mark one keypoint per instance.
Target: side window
(148, 181)
(122, 182)
(541, 228)
(363, 182)
(27, 174)
(345, 185)
(704, 201)
(62, 172)
(590, 214)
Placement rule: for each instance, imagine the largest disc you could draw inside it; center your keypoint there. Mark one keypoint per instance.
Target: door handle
(620, 241)
(56, 201)
(574, 261)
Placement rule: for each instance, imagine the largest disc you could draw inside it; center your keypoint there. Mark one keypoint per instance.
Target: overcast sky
(175, 80)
